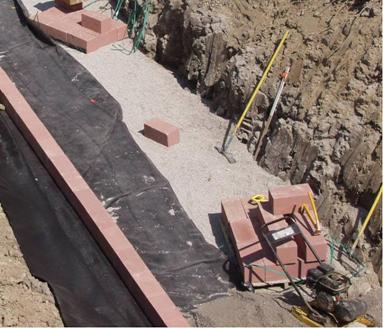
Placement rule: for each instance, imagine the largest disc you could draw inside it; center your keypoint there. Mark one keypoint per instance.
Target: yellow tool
(252, 98)
(265, 129)
(315, 221)
(256, 199)
(368, 218)
(263, 78)
(304, 208)
(314, 208)
(302, 315)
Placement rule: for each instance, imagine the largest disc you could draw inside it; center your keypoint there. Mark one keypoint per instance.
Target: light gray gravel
(199, 175)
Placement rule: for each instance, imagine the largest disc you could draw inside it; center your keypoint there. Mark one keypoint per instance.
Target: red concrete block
(287, 251)
(101, 40)
(59, 29)
(121, 30)
(249, 208)
(244, 233)
(96, 22)
(264, 270)
(90, 205)
(284, 199)
(255, 275)
(74, 17)
(253, 254)
(80, 37)
(162, 132)
(233, 210)
(50, 15)
(69, 28)
(275, 273)
(318, 243)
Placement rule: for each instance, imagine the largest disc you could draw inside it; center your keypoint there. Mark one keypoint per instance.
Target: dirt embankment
(24, 300)
(327, 129)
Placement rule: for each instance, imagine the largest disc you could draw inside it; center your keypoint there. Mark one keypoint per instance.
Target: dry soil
(24, 300)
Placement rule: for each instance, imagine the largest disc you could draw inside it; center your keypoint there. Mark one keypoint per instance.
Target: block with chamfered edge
(285, 199)
(96, 22)
(162, 132)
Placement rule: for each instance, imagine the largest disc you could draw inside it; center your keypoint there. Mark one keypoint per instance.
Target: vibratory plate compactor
(279, 241)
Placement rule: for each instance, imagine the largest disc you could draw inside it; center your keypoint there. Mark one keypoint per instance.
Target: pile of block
(82, 29)
(243, 220)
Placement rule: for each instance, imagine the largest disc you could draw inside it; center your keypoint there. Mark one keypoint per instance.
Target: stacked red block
(243, 221)
(82, 29)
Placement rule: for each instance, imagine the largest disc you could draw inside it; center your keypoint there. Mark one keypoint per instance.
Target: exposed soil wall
(24, 300)
(327, 129)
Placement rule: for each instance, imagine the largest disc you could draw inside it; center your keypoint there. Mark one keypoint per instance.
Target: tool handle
(368, 218)
(263, 78)
(284, 76)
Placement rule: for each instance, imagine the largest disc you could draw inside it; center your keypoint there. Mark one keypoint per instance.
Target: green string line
(137, 22)
(140, 36)
(345, 249)
(118, 7)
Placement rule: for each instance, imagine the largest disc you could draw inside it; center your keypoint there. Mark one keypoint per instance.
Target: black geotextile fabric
(86, 121)
(56, 245)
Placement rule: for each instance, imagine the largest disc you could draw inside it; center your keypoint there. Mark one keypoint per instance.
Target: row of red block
(132, 269)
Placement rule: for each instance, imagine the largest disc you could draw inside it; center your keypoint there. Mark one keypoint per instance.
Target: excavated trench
(327, 127)
(327, 132)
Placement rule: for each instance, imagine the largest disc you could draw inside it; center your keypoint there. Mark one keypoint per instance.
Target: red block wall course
(82, 29)
(162, 132)
(140, 281)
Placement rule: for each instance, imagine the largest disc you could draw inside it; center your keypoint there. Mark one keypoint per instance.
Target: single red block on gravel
(96, 22)
(162, 132)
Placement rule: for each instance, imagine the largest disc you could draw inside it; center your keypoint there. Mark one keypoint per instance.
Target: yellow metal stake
(263, 78)
(318, 228)
(256, 90)
(368, 218)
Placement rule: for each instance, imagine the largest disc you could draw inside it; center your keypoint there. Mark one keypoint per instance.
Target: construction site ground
(24, 300)
(199, 175)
